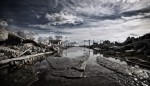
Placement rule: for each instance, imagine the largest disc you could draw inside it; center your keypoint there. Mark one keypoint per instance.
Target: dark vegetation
(133, 50)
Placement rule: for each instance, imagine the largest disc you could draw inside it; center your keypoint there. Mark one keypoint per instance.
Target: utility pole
(84, 42)
(93, 41)
(89, 42)
(89, 46)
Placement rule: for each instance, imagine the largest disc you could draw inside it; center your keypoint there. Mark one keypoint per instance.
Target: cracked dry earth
(79, 67)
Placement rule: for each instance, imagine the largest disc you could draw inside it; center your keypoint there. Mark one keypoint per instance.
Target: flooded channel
(79, 66)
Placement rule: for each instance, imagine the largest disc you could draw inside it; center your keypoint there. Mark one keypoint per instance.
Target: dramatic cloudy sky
(80, 19)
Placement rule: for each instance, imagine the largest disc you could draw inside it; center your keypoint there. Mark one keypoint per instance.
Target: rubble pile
(13, 45)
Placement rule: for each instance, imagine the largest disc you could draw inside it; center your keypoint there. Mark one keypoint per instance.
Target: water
(75, 66)
(75, 57)
(80, 51)
(79, 66)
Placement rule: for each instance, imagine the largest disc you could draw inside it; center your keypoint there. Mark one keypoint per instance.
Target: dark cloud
(26, 11)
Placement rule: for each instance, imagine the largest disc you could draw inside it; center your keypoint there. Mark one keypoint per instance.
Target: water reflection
(71, 64)
(79, 66)
(79, 51)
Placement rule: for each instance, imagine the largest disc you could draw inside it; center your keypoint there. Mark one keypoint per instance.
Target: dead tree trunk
(23, 58)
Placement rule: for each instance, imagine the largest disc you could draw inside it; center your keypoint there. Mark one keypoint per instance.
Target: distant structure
(89, 41)
(72, 43)
(3, 24)
(57, 45)
(57, 42)
(58, 37)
